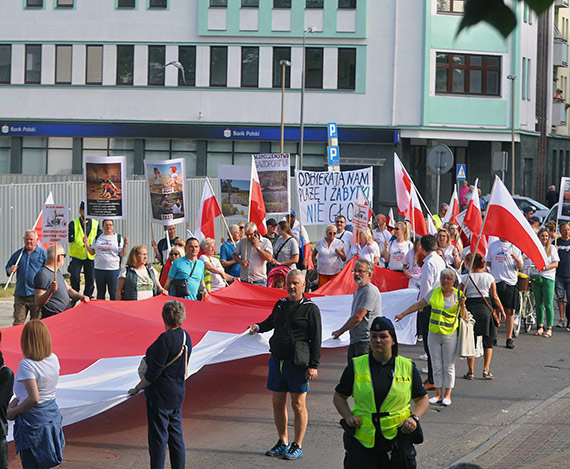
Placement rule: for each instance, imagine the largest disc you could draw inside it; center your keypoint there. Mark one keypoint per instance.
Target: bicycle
(525, 313)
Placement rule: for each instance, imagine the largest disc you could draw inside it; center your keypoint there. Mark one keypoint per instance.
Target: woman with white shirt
(38, 430)
(543, 285)
(412, 268)
(366, 248)
(217, 274)
(395, 252)
(480, 287)
(328, 255)
(108, 248)
(450, 252)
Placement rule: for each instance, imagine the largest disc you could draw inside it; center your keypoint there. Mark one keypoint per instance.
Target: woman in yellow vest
(382, 385)
(446, 303)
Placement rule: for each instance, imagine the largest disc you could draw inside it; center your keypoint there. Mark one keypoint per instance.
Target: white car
(540, 210)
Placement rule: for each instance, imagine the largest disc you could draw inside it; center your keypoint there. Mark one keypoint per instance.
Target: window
(450, 6)
(524, 78)
(218, 3)
(187, 57)
(5, 62)
(94, 67)
(156, 62)
(126, 3)
(33, 64)
(467, 74)
(529, 74)
(279, 54)
(125, 64)
(347, 68)
(34, 3)
(64, 4)
(250, 67)
(281, 3)
(63, 64)
(157, 3)
(314, 67)
(34, 155)
(314, 3)
(250, 3)
(219, 66)
(347, 4)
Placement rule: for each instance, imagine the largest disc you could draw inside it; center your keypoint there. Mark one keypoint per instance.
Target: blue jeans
(263, 282)
(165, 428)
(106, 279)
(74, 268)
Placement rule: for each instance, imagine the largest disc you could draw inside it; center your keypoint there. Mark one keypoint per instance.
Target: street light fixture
(309, 30)
(512, 78)
(283, 63)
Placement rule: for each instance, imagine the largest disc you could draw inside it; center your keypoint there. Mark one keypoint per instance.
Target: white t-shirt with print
(503, 266)
(107, 252)
(368, 252)
(398, 253)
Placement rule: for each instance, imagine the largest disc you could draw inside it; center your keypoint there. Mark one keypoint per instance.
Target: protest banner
(564, 200)
(325, 195)
(105, 178)
(360, 216)
(55, 223)
(273, 170)
(167, 188)
(234, 187)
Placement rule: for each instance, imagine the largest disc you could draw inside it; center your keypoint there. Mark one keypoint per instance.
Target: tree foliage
(497, 14)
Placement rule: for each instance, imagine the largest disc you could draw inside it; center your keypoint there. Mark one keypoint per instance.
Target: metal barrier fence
(20, 205)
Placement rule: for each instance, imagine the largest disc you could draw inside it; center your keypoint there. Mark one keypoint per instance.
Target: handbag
(143, 365)
(494, 312)
(181, 285)
(466, 338)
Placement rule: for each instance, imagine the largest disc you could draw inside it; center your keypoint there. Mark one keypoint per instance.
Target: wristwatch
(415, 417)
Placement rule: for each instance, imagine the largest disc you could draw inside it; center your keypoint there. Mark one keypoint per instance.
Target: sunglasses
(62, 255)
(396, 229)
(331, 232)
(241, 227)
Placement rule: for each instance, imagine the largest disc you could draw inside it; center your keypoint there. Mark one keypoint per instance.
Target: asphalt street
(520, 419)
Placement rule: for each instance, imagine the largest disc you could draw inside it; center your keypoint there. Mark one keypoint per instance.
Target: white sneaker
(425, 370)
(435, 400)
(445, 401)
(423, 357)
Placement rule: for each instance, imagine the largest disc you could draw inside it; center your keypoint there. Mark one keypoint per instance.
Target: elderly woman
(138, 280)
(286, 251)
(328, 255)
(218, 277)
(395, 252)
(480, 288)
(446, 304)
(449, 251)
(163, 384)
(369, 379)
(38, 430)
(366, 248)
(108, 249)
(174, 254)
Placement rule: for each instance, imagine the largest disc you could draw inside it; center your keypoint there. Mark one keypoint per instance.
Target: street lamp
(283, 63)
(512, 78)
(310, 29)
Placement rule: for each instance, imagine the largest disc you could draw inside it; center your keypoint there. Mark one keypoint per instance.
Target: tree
(497, 14)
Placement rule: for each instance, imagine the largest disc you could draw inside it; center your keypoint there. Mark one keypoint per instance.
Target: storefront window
(4, 154)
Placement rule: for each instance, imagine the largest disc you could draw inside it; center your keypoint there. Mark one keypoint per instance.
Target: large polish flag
(474, 221)
(415, 215)
(256, 205)
(505, 220)
(209, 210)
(403, 186)
(38, 226)
(453, 209)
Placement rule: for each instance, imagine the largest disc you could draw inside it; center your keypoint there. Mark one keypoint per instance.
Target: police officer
(382, 384)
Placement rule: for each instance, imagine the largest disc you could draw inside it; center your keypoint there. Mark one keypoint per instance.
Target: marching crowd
(380, 428)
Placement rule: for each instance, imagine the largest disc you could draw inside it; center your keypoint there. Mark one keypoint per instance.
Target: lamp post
(283, 63)
(310, 29)
(512, 78)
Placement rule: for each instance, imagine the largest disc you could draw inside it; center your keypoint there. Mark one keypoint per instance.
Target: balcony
(558, 113)
(560, 53)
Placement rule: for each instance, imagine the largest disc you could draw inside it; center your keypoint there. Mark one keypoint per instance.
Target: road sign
(332, 130)
(440, 159)
(461, 174)
(333, 155)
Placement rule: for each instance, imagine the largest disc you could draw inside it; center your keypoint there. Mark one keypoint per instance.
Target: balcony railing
(560, 53)
(558, 113)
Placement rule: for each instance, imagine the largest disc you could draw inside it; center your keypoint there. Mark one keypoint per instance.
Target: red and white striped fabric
(390, 221)
(403, 186)
(256, 205)
(432, 230)
(474, 221)
(209, 210)
(38, 227)
(415, 214)
(505, 220)
(453, 209)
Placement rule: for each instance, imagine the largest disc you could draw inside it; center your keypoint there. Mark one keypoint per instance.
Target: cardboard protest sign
(105, 179)
(325, 195)
(55, 223)
(167, 185)
(273, 170)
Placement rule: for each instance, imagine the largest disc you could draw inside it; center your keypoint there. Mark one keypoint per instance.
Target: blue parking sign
(334, 156)
(461, 174)
(332, 130)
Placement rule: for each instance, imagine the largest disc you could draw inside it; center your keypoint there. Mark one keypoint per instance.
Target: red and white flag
(209, 210)
(474, 221)
(415, 215)
(38, 227)
(453, 209)
(403, 186)
(505, 220)
(390, 222)
(256, 205)
(432, 230)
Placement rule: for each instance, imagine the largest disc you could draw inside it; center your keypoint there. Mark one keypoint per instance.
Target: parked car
(553, 213)
(540, 210)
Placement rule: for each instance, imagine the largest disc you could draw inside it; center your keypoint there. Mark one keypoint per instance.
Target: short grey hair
(173, 313)
(27, 232)
(295, 272)
(329, 227)
(443, 206)
(447, 272)
(53, 250)
(250, 225)
(366, 263)
(206, 242)
(233, 228)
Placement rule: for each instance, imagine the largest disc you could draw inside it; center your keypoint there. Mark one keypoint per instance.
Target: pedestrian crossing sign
(461, 173)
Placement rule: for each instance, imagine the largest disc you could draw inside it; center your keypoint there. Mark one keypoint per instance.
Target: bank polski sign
(323, 196)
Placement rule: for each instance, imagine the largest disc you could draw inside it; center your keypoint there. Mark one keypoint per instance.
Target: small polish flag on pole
(256, 205)
(209, 210)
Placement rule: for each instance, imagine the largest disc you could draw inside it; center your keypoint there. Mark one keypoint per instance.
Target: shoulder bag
(181, 285)
(143, 364)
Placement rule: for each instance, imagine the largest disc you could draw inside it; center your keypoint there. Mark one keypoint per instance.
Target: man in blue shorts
(295, 354)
